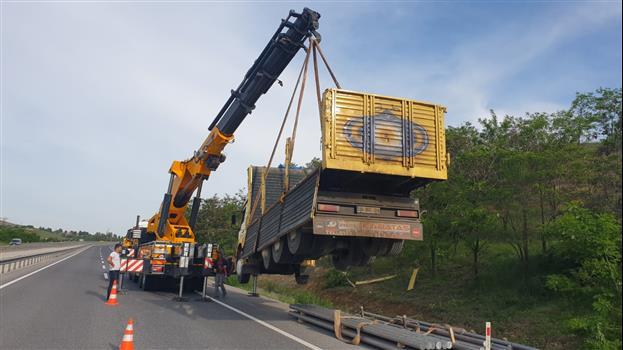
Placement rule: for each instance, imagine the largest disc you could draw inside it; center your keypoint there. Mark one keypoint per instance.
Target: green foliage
(214, 221)
(315, 163)
(510, 215)
(589, 246)
(30, 234)
(333, 278)
(9, 232)
(510, 182)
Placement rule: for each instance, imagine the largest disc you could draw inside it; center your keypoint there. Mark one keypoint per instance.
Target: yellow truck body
(372, 133)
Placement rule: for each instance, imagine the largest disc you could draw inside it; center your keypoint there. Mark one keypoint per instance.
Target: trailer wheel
(140, 281)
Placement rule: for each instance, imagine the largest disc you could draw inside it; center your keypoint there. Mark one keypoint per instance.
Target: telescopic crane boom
(187, 176)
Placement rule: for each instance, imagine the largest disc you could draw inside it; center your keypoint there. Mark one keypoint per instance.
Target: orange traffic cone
(127, 343)
(112, 300)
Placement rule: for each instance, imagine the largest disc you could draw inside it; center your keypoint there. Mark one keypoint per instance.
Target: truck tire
(299, 242)
(266, 258)
(395, 248)
(269, 264)
(353, 256)
(243, 278)
(281, 253)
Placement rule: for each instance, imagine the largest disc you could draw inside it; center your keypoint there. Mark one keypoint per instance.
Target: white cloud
(100, 98)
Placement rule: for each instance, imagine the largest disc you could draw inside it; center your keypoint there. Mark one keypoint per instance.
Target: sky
(98, 98)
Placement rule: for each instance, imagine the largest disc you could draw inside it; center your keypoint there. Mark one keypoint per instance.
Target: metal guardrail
(13, 264)
(395, 333)
(37, 245)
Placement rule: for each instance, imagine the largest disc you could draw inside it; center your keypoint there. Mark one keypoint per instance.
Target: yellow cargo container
(372, 133)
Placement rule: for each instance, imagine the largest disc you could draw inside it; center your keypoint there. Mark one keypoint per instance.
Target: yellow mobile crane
(169, 248)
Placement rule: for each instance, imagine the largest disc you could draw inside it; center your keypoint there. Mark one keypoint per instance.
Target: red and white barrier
(131, 265)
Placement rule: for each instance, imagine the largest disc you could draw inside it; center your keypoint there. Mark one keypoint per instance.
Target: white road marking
(103, 267)
(265, 324)
(41, 269)
(105, 276)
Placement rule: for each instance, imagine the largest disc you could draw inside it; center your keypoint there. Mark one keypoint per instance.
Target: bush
(333, 278)
(588, 245)
(8, 233)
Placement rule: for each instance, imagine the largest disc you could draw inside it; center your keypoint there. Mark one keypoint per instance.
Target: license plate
(332, 226)
(368, 210)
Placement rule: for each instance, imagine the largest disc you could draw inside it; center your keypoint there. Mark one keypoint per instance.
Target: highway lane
(62, 307)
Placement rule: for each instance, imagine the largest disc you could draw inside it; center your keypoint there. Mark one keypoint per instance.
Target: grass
(521, 309)
(279, 291)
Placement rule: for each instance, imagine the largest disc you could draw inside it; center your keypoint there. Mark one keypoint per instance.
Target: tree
(437, 226)
(315, 163)
(602, 111)
(214, 222)
(475, 226)
(588, 245)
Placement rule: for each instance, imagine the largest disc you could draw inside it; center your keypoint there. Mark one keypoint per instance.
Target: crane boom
(187, 176)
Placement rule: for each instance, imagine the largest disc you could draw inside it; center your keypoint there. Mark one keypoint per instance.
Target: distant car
(15, 241)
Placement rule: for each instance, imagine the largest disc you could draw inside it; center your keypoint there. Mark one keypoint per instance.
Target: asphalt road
(62, 307)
